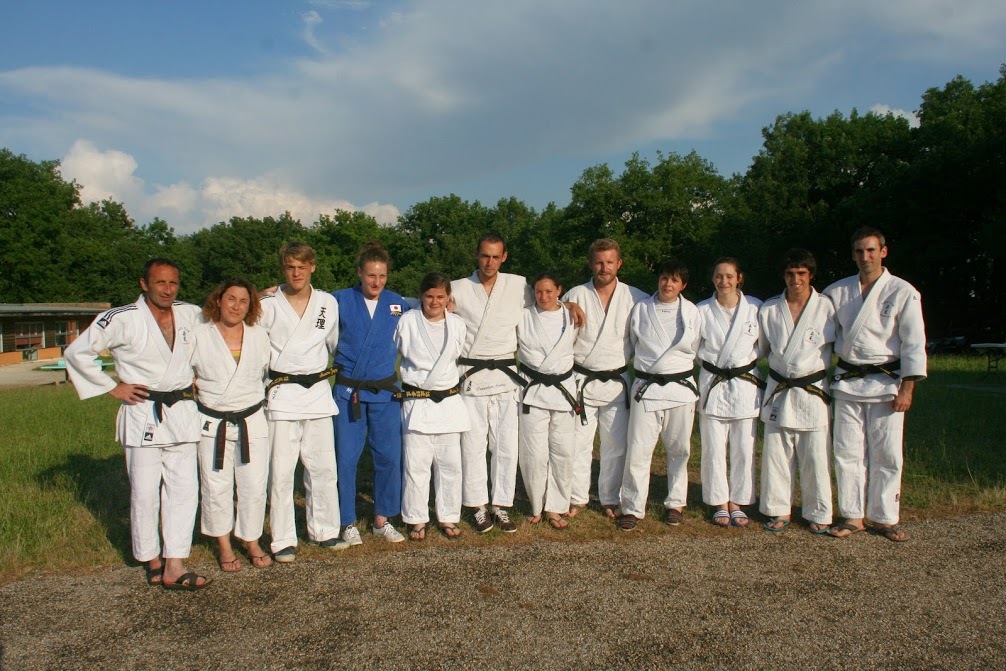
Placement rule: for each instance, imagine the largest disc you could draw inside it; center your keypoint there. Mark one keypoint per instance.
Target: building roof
(51, 309)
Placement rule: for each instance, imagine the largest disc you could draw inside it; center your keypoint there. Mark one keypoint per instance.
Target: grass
(64, 502)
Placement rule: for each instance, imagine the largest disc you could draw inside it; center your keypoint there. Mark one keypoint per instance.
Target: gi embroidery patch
(750, 328)
(887, 309)
(396, 310)
(183, 333)
(148, 433)
(206, 425)
(319, 323)
(774, 415)
(813, 335)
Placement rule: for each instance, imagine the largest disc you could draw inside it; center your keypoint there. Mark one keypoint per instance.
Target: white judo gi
(728, 408)
(431, 440)
(602, 344)
(300, 418)
(490, 395)
(796, 420)
(667, 410)
(546, 437)
(156, 450)
(226, 386)
(884, 326)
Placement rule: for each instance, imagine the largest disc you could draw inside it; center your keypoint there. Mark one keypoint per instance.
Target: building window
(29, 335)
(64, 332)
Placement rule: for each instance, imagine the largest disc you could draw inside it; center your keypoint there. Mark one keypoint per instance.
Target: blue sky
(199, 111)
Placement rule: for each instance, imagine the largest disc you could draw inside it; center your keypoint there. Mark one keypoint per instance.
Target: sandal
(450, 530)
(418, 532)
(627, 522)
(848, 529)
(557, 521)
(230, 565)
(574, 510)
(721, 518)
(153, 574)
(188, 582)
(674, 517)
(821, 529)
(769, 526)
(892, 532)
(739, 518)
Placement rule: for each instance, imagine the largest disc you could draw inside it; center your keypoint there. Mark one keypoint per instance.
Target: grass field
(64, 502)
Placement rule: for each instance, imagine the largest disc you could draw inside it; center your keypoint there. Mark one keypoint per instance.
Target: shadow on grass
(101, 486)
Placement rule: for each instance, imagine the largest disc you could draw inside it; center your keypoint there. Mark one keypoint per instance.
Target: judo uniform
(884, 326)
(300, 424)
(431, 443)
(367, 413)
(665, 347)
(490, 395)
(728, 406)
(796, 418)
(226, 386)
(602, 346)
(157, 449)
(546, 439)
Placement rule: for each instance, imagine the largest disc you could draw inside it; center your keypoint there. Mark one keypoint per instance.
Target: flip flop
(260, 561)
(739, 518)
(721, 518)
(417, 534)
(844, 526)
(450, 530)
(557, 523)
(820, 531)
(230, 566)
(153, 574)
(188, 582)
(767, 526)
(575, 510)
(892, 532)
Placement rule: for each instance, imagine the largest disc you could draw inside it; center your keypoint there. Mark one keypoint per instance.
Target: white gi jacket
(549, 357)
(228, 386)
(141, 356)
(301, 345)
(429, 366)
(492, 326)
(794, 351)
(729, 345)
(603, 342)
(655, 352)
(884, 326)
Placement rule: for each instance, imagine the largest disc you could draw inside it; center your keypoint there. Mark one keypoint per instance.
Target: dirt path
(676, 598)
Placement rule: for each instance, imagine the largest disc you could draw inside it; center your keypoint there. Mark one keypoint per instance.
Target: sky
(196, 112)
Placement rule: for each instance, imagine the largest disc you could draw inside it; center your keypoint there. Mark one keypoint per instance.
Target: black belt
(599, 376)
(237, 418)
(435, 395)
(508, 366)
(537, 377)
(742, 372)
(864, 369)
(169, 398)
(805, 382)
(373, 386)
(684, 378)
(307, 381)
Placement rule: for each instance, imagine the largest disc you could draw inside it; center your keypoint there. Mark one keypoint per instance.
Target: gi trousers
(380, 429)
(163, 496)
(216, 488)
(868, 445)
(438, 455)
(494, 427)
(612, 422)
(717, 434)
(546, 443)
(674, 428)
(782, 450)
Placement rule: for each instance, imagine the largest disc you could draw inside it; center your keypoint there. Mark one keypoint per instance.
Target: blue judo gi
(367, 413)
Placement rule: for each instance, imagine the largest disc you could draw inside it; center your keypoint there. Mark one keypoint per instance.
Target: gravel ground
(682, 598)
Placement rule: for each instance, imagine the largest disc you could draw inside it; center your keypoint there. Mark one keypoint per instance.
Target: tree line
(938, 190)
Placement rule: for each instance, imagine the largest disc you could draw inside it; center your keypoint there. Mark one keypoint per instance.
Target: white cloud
(884, 110)
(111, 174)
(448, 91)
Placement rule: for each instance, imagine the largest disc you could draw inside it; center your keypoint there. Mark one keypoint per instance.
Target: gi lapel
(866, 310)
(225, 356)
(671, 347)
(733, 330)
(797, 331)
(160, 344)
(479, 294)
(618, 294)
(360, 370)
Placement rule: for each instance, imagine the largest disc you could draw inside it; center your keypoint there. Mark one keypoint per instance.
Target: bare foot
(534, 519)
(612, 511)
(574, 510)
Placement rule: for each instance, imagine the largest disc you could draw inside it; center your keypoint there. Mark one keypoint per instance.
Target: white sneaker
(351, 536)
(389, 533)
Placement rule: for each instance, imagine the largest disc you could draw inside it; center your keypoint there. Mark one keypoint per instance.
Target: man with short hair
(303, 326)
(797, 329)
(491, 303)
(601, 354)
(158, 423)
(881, 347)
